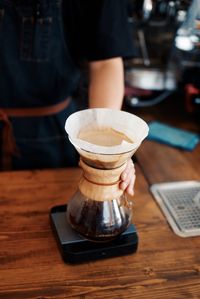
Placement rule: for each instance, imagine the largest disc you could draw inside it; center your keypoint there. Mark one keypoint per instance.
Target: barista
(42, 44)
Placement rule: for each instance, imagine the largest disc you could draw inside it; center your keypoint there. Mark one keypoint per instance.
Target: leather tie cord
(9, 147)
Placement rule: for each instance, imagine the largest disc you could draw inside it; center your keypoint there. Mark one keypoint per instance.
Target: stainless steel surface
(188, 33)
(144, 50)
(151, 78)
(180, 203)
(147, 9)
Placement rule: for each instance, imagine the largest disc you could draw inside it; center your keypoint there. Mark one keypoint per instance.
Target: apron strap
(9, 147)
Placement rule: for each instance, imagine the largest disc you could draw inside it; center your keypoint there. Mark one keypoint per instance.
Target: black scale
(76, 249)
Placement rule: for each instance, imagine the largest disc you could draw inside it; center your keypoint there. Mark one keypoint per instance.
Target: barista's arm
(106, 83)
(106, 90)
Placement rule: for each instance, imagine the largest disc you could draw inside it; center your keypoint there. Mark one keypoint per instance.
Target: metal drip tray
(180, 203)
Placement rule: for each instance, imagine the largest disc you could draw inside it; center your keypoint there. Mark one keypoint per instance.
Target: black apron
(36, 71)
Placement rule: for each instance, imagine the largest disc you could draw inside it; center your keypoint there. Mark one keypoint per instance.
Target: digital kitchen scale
(76, 249)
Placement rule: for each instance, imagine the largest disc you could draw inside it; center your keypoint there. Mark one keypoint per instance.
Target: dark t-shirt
(43, 42)
(97, 29)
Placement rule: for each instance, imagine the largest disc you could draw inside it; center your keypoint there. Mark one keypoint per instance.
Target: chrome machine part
(154, 67)
(180, 203)
(188, 35)
(147, 9)
(150, 79)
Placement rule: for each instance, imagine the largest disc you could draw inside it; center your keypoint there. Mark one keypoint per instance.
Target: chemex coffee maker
(97, 221)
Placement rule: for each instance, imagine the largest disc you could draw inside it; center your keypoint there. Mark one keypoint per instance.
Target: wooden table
(161, 163)
(165, 265)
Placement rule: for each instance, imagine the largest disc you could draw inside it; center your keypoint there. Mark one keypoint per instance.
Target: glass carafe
(99, 210)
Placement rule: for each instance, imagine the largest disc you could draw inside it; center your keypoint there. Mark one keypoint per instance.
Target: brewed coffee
(99, 220)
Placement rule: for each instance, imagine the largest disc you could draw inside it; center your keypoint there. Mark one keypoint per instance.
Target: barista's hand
(128, 178)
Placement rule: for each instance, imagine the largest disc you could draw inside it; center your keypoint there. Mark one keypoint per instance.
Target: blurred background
(166, 64)
(166, 37)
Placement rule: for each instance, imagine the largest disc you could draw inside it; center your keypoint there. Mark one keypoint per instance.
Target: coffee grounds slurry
(103, 136)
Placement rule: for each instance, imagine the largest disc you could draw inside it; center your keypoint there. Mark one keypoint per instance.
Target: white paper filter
(129, 124)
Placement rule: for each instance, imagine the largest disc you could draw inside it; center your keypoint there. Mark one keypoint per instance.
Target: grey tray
(180, 203)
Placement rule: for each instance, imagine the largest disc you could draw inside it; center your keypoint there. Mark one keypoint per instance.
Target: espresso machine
(187, 43)
(97, 222)
(158, 28)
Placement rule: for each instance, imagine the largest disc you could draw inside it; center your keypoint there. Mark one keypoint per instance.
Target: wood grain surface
(160, 162)
(165, 265)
